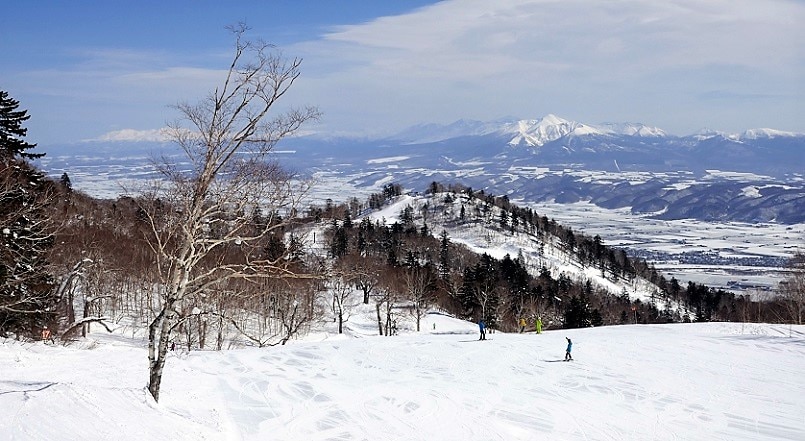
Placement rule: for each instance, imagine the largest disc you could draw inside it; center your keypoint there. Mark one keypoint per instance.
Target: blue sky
(95, 69)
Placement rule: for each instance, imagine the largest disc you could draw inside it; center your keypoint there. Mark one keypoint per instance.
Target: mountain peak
(538, 132)
(767, 133)
(631, 129)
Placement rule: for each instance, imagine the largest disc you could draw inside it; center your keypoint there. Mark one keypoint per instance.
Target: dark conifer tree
(444, 256)
(27, 298)
(11, 130)
(65, 182)
(340, 242)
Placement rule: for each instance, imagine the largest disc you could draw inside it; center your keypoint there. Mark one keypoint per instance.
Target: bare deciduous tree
(365, 274)
(298, 308)
(419, 283)
(792, 290)
(342, 301)
(200, 222)
(387, 295)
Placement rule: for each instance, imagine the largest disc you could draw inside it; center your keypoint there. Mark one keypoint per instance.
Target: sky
(110, 70)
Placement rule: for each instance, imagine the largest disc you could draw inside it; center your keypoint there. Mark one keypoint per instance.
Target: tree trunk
(219, 344)
(388, 319)
(379, 318)
(85, 327)
(202, 332)
(158, 337)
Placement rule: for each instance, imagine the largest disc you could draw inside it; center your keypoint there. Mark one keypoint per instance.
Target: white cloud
(677, 64)
(153, 135)
(600, 60)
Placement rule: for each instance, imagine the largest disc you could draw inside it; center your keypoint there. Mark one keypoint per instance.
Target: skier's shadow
(554, 361)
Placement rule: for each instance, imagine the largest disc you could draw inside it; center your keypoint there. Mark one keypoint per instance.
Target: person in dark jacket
(568, 357)
(482, 328)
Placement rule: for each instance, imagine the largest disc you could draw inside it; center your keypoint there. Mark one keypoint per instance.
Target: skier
(539, 325)
(482, 327)
(522, 325)
(568, 357)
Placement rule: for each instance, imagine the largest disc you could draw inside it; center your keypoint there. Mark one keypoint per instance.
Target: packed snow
(633, 382)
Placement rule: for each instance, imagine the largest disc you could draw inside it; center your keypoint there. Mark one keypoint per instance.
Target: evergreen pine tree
(340, 242)
(27, 297)
(11, 131)
(444, 256)
(65, 182)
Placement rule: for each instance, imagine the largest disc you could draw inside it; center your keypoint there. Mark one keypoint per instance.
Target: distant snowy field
(714, 381)
(726, 239)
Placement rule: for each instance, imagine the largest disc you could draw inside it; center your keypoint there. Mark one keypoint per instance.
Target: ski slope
(713, 381)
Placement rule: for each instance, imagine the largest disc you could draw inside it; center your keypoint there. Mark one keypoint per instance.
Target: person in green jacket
(539, 325)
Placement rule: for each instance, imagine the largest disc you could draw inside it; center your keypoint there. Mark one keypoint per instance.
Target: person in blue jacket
(482, 328)
(568, 357)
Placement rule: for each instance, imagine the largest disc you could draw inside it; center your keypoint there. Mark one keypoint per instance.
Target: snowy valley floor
(672, 382)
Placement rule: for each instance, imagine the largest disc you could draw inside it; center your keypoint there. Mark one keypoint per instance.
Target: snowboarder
(522, 325)
(482, 328)
(539, 325)
(568, 357)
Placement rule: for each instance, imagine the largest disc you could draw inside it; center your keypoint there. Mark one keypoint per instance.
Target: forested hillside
(464, 252)
(483, 256)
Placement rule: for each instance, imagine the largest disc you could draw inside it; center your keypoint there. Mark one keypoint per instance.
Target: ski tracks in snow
(437, 387)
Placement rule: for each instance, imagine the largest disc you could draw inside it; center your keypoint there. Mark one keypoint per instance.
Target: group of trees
(462, 282)
(502, 290)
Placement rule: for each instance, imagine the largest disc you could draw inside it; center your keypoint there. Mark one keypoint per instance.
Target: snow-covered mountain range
(530, 132)
(538, 132)
(706, 176)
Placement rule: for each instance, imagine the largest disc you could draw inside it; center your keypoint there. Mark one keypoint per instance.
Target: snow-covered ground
(664, 382)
